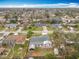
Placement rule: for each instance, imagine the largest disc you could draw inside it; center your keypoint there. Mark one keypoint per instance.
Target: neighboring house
(40, 24)
(57, 25)
(40, 41)
(2, 19)
(66, 20)
(56, 20)
(2, 50)
(9, 19)
(11, 25)
(9, 43)
(19, 39)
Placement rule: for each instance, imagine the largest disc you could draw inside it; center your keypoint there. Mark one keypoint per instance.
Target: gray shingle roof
(40, 24)
(56, 25)
(10, 25)
(38, 39)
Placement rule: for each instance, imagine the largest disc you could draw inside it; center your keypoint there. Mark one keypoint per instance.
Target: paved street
(45, 31)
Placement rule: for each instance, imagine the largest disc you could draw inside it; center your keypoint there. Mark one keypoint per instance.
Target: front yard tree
(29, 33)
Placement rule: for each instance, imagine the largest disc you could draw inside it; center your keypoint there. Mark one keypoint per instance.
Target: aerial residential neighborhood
(39, 33)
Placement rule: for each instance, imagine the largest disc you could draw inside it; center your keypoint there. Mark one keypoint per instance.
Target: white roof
(47, 42)
(31, 58)
(32, 46)
(56, 51)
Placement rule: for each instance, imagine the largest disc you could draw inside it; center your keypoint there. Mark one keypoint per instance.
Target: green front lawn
(34, 28)
(38, 28)
(35, 34)
(51, 28)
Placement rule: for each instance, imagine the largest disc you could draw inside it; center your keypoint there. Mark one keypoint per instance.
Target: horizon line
(57, 5)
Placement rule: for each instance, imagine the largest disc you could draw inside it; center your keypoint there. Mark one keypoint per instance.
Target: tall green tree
(29, 33)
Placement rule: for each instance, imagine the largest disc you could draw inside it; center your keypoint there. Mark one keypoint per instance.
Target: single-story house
(2, 19)
(19, 39)
(56, 20)
(9, 19)
(8, 42)
(39, 24)
(11, 25)
(2, 50)
(14, 39)
(57, 25)
(40, 41)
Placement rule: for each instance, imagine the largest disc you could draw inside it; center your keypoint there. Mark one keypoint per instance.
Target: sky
(40, 3)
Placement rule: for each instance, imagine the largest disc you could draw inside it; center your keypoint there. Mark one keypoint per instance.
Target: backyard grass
(8, 54)
(38, 28)
(41, 51)
(18, 51)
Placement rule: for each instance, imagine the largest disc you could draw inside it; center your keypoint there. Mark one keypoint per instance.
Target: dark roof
(56, 25)
(40, 24)
(10, 25)
(57, 19)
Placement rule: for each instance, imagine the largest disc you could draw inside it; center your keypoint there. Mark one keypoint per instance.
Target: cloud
(58, 5)
(75, 5)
